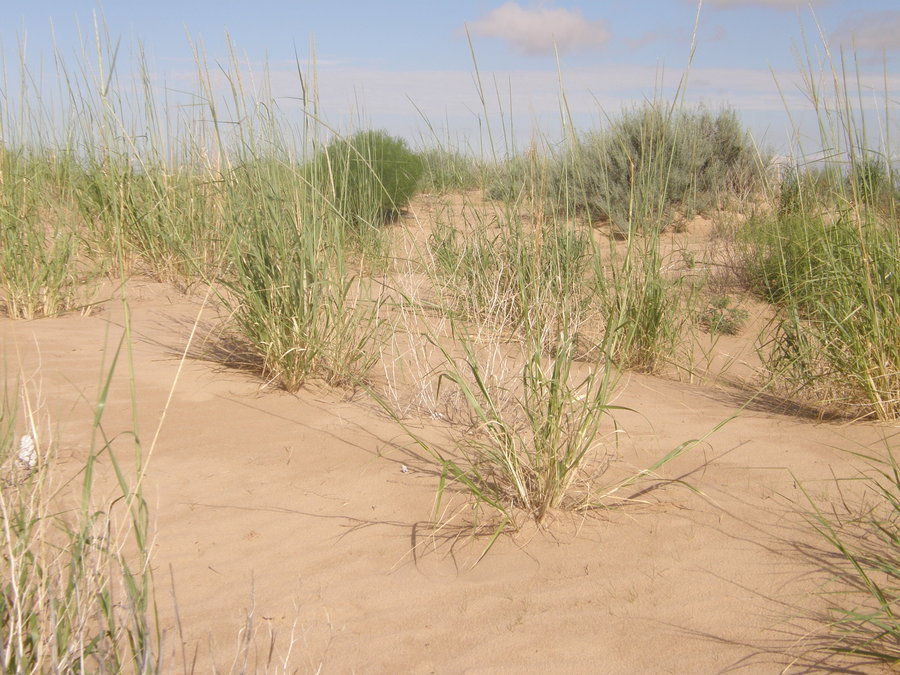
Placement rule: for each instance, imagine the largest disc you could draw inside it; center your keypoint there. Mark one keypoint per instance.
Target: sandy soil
(311, 512)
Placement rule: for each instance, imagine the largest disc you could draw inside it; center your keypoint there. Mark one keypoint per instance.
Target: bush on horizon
(647, 162)
(370, 177)
(652, 159)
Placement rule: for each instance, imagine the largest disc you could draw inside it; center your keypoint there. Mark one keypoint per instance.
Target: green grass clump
(38, 245)
(640, 306)
(37, 269)
(873, 181)
(867, 182)
(801, 188)
(536, 445)
(835, 284)
(369, 177)
(828, 259)
(164, 221)
(640, 310)
(449, 171)
(291, 297)
(530, 455)
(517, 278)
(510, 180)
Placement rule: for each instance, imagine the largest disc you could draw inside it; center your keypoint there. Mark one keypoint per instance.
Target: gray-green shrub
(653, 159)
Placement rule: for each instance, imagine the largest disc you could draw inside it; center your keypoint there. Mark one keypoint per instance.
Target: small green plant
(368, 177)
(804, 190)
(870, 180)
(638, 304)
(534, 445)
(529, 457)
(721, 317)
(509, 181)
(536, 442)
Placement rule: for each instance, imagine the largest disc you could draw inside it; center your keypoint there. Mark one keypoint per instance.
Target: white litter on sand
(27, 453)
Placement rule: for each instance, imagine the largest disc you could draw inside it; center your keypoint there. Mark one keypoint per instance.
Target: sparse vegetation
(71, 598)
(514, 277)
(722, 317)
(564, 271)
(864, 587)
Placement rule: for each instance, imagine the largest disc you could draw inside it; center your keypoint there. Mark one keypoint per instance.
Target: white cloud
(527, 102)
(539, 30)
(537, 91)
(682, 36)
(877, 32)
(774, 4)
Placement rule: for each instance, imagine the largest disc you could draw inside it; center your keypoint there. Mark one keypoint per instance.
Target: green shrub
(871, 182)
(368, 177)
(789, 193)
(804, 190)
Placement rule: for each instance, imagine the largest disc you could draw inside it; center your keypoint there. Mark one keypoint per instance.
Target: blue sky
(397, 60)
